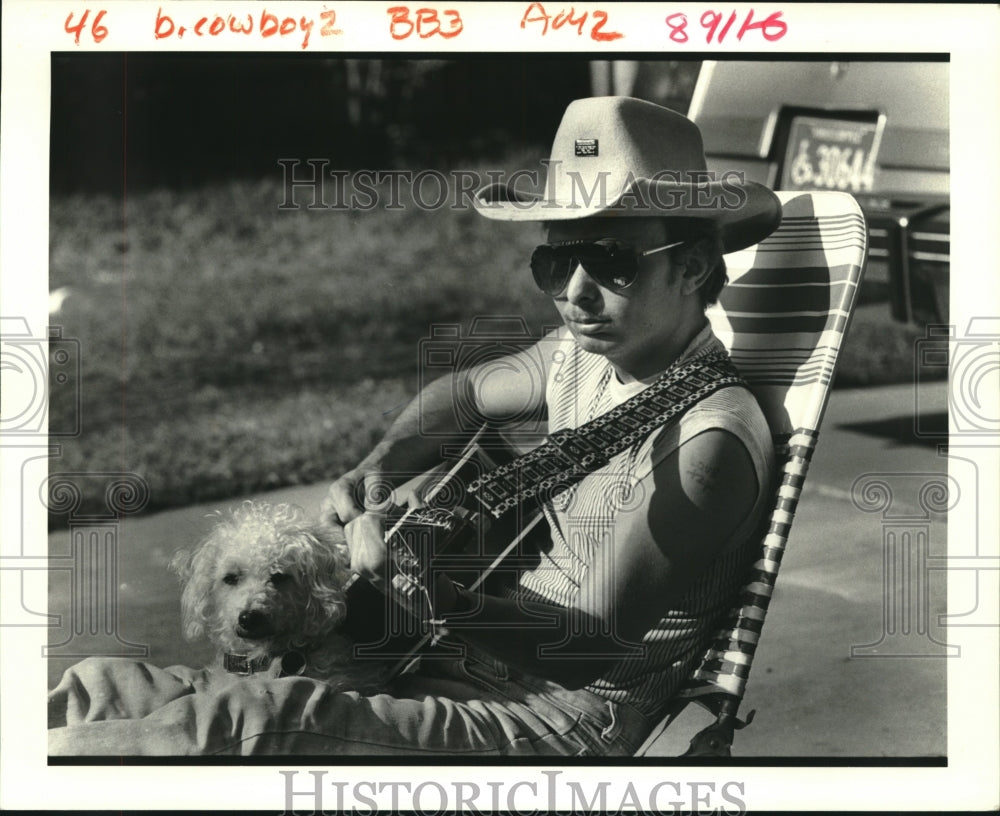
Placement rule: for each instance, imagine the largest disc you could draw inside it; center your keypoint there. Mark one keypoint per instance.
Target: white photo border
(32, 31)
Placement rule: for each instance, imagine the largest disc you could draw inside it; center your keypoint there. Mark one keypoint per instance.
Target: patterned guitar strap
(569, 455)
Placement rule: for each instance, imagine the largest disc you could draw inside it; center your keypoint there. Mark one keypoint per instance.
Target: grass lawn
(229, 346)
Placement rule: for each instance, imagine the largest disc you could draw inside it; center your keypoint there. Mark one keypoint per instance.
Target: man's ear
(694, 268)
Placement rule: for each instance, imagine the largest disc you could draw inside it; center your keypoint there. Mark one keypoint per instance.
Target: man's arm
(696, 498)
(506, 388)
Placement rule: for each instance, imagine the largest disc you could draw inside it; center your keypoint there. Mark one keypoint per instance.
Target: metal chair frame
(783, 317)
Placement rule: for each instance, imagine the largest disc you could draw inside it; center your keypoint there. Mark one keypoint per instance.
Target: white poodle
(267, 588)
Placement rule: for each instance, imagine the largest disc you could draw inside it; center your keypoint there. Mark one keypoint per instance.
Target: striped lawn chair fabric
(782, 316)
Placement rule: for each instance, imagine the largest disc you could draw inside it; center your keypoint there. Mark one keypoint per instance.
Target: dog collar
(242, 664)
(292, 663)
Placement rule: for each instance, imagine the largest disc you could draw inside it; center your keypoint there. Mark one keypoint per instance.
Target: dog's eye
(280, 578)
(231, 578)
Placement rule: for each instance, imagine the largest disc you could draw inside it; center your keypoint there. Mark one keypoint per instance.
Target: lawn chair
(782, 317)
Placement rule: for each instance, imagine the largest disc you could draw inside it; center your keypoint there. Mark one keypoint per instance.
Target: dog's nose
(253, 622)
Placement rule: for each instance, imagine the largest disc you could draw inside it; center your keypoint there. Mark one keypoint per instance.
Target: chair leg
(713, 741)
(716, 740)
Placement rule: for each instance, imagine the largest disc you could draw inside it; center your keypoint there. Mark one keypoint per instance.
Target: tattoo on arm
(704, 475)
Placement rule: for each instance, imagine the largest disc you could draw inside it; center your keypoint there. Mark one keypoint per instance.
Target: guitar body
(440, 529)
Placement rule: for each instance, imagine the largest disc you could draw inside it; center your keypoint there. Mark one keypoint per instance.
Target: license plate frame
(831, 153)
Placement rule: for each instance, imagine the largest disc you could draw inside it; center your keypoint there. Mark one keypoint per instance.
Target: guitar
(441, 529)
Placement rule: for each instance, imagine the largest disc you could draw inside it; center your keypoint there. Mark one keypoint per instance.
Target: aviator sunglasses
(612, 264)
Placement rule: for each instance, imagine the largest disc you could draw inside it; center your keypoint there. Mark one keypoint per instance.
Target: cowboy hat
(614, 155)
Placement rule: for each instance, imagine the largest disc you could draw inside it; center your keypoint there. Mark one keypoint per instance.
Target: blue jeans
(471, 706)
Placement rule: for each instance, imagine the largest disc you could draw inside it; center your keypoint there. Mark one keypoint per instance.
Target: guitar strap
(569, 455)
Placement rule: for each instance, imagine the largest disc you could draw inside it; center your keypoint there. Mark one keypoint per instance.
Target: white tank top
(582, 386)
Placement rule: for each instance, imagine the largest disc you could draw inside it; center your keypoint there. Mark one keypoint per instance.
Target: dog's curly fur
(266, 582)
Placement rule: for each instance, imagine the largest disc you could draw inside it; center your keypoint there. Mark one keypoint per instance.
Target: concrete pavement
(828, 680)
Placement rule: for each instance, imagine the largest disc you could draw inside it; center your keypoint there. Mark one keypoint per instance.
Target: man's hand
(369, 553)
(357, 491)
(357, 501)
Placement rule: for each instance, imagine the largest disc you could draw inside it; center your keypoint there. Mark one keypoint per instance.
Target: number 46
(97, 31)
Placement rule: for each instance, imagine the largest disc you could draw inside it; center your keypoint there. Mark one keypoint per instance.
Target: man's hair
(702, 244)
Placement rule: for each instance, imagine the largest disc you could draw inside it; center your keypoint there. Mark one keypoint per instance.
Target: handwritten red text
(97, 31)
(536, 14)
(266, 25)
(426, 22)
(771, 28)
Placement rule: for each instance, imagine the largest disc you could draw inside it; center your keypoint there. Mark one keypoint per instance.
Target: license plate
(830, 154)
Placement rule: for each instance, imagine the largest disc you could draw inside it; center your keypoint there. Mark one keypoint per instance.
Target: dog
(268, 588)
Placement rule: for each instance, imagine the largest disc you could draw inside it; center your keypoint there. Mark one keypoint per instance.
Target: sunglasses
(612, 264)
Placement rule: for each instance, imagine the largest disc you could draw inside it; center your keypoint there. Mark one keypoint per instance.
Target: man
(647, 549)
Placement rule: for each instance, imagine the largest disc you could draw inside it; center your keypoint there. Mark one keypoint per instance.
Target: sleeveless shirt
(582, 519)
